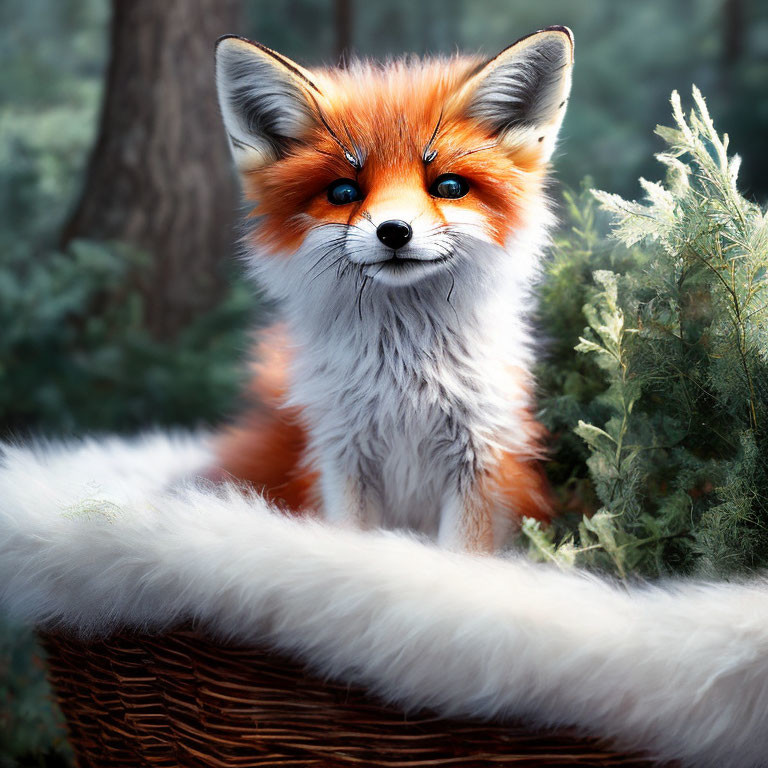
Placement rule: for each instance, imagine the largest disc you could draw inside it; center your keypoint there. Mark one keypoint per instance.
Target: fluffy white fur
(104, 535)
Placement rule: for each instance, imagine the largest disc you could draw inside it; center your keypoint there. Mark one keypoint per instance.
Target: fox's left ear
(521, 94)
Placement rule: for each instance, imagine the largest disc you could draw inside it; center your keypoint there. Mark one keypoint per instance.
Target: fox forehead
(390, 111)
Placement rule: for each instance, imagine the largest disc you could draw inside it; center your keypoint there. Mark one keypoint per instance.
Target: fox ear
(521, 94)
(266, 100)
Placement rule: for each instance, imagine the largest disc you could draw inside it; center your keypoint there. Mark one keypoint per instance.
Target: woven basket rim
(204, 700)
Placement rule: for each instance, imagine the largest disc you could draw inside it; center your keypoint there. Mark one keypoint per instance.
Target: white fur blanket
(100, 535)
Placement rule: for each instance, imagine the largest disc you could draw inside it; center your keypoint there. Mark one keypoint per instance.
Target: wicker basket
(182, 700)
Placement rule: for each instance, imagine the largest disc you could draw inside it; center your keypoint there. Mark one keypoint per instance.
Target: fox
(397, 214)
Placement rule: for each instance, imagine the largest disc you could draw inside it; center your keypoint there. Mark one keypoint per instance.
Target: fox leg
(480, 514)
(346, 501)
(466, 523)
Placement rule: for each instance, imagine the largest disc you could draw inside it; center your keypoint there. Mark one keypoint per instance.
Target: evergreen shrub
(659, 408)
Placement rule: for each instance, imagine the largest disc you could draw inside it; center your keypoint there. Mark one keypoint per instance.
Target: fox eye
(343, 191)
(449, 185)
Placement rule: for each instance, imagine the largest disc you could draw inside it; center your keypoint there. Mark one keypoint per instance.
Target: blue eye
(344, 191)
(449, 185)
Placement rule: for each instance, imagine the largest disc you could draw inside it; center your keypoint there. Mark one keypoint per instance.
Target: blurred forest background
(121, 304)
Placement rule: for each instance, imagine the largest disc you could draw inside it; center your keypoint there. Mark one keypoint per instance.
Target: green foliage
(571, 383)
(51, 60)
(676, 424)
(75, 354)
(31, 733)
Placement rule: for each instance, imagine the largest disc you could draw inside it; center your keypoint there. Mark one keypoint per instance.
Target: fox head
(406, 175)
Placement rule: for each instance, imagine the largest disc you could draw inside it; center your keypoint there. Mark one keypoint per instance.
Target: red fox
(397, 216)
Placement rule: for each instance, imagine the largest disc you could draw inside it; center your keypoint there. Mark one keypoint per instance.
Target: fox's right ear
(266, 100)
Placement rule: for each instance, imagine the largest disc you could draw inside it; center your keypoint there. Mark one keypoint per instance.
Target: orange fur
(266, 447)
(519, 477)
(515, 483)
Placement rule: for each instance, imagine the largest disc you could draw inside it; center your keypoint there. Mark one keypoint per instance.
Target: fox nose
(394, 234)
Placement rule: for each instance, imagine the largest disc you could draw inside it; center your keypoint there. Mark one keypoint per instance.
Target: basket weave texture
(180, 699)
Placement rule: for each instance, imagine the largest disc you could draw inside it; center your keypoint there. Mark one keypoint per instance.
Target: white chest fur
(408, 402)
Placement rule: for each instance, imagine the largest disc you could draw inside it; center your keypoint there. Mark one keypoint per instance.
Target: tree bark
(342, 21)
(734, 31)
(160, 176)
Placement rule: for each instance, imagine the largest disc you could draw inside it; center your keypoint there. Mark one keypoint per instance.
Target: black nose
(394, 234)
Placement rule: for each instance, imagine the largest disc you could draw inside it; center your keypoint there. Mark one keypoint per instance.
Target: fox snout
(394, 233)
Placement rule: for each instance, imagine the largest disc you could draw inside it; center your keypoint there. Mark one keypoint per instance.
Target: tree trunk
(342, 21)
(734, 31)
(160, 174)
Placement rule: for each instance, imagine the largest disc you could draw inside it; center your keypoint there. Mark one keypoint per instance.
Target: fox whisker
(360, 297)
